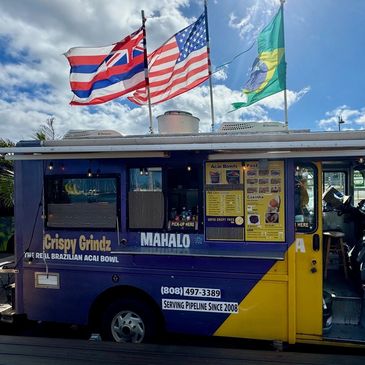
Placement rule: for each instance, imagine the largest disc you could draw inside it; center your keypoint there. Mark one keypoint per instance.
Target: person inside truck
(301, 196)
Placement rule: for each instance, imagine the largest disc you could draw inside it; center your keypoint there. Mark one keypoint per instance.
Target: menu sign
(264, 203)
(224, 173)
(224, 199)
(224, 203)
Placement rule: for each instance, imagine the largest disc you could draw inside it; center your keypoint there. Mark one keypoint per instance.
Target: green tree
(6, 178)
(46, 131)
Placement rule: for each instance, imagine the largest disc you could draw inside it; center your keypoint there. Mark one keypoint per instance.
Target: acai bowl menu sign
(245, 200)
(264, 201)
(224, 199)
(224, 173)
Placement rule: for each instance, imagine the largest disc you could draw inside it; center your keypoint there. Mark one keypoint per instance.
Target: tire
(129, 320)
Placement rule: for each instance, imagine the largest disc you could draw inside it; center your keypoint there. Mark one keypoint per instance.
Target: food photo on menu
(233, 176)
(254, 219)
(272, 212)
(214, 177)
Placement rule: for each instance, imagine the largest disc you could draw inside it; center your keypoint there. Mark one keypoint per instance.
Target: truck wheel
(128, 320)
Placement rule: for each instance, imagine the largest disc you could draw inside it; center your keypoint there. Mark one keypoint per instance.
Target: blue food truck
(254, 233)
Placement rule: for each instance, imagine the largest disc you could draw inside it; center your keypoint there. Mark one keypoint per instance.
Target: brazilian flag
(268, 74)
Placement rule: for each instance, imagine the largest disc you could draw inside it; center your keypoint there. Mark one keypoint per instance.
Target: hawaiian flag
(104, 73)
(179, 65)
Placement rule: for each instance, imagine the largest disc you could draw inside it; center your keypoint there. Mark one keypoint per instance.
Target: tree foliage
(46, 131)
(6, 177)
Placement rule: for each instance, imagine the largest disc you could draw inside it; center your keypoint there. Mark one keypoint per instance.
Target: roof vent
(91, 134)
(252, 127)
(177, 122)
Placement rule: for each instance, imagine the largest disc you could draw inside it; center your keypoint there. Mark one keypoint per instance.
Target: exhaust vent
(177, 122)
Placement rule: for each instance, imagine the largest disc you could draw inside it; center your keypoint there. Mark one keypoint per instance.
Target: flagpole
(285, 108)
(146, 71)
(285, 94)
(209, 65)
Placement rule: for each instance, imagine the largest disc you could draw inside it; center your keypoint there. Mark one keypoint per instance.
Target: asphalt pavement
(17, 350)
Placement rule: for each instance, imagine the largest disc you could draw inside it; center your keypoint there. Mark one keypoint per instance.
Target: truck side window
(337, 179)
(305, 201)
(359, 186)
(81, 202)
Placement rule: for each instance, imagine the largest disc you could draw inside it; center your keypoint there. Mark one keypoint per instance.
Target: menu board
(224, 203)
(224, 173)
(224, 200)
(245, 201)
(264, 203)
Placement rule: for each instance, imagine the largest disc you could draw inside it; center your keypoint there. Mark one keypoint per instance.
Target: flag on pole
(179, 65)
(268, 74)
(104, 73)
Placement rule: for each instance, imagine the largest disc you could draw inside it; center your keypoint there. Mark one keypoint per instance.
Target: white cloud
(353, 118)
(197, 101)
(361, 120)
(221, 73)
(276, 101)
(34, 73)
(255, 18)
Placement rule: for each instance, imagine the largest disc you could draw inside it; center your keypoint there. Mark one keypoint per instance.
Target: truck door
(308, 247)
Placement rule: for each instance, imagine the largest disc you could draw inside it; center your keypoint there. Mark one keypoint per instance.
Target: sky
(324, 44)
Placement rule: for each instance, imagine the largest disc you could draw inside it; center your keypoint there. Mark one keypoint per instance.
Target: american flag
(101, 74)
(179, 65)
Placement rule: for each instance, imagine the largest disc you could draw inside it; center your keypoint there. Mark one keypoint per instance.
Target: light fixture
(89, 173)
(188, 168)
(50, 166)
(143, 171)
(62, 167)
(361, 160)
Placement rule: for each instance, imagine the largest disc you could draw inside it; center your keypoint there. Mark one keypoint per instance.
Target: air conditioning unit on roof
(91, 133)
(252, 127)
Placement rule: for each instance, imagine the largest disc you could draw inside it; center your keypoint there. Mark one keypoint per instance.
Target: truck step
(347, 310)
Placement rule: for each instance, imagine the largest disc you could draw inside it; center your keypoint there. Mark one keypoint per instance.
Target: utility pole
(340, 121)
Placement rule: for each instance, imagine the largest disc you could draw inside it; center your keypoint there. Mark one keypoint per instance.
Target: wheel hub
(128, 326)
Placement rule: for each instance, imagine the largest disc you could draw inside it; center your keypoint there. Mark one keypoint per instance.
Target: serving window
(81, 202)
(244, 201)
(145, 198)
(166, 198)
(183, 198)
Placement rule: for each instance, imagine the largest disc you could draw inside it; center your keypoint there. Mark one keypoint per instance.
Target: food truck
(254, 231)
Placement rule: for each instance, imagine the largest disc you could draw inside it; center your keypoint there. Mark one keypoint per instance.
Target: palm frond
(7, 189)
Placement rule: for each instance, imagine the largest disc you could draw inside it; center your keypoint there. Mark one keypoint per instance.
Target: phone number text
(189, 291)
